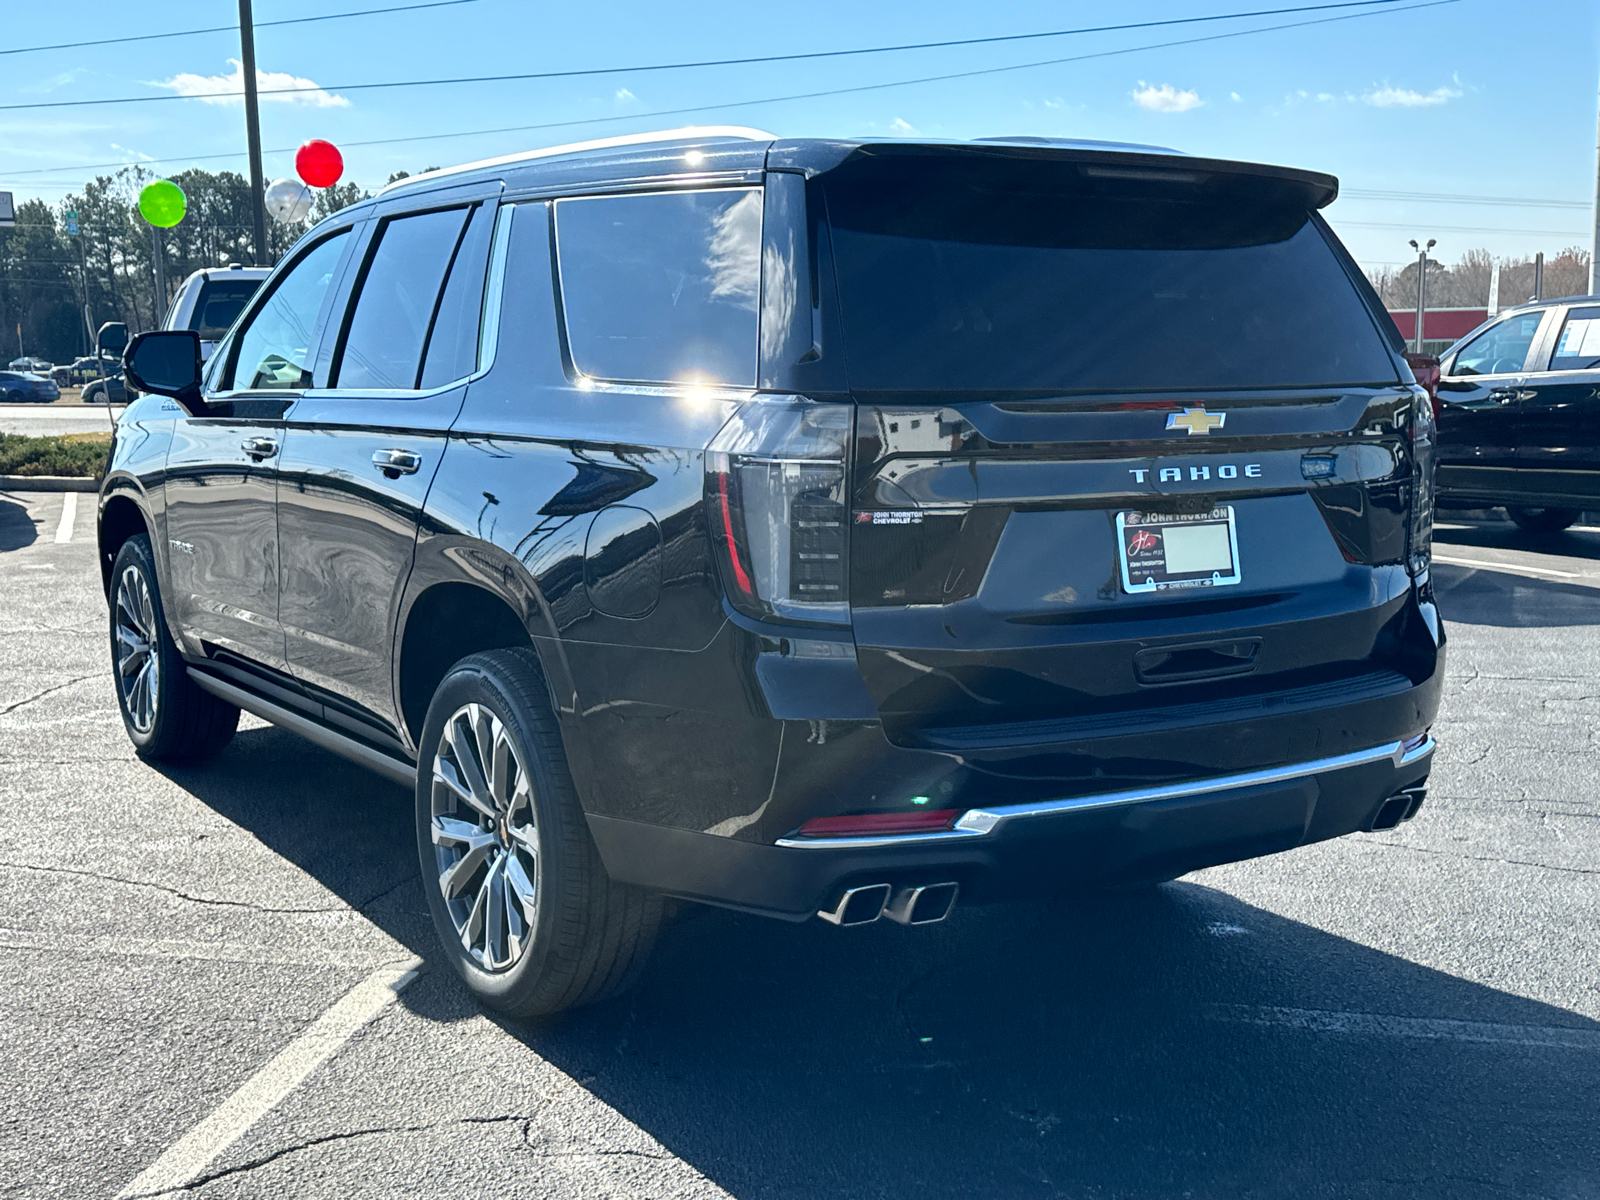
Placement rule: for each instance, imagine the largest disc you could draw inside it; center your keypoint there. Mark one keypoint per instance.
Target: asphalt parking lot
(199, 972)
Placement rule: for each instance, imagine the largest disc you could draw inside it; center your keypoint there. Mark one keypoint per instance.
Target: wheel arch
(465, 597)
(122, 516)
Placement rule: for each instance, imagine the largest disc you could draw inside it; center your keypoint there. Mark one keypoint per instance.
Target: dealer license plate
(1160, 551)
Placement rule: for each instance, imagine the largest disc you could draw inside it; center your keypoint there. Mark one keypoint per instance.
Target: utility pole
(1538, 276)
(158, 310)
(1422, 288)
(1594, 246)
(252, 122)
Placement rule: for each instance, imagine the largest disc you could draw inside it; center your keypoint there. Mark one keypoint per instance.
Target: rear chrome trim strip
(358, 752)
(980, 822)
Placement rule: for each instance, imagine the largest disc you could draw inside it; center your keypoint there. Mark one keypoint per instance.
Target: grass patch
(82, 455)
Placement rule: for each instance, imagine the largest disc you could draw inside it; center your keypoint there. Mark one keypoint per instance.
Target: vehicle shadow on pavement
(1164, 1043)
(1124, 1045)
(1507, 535)
(17, 528)
(1483, 596)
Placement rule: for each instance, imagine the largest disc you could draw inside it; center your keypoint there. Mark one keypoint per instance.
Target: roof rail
(1027, 139)
(686, 133)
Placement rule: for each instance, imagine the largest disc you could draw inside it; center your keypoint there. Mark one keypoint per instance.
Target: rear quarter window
(662, 287)
(1578, 344)
(219, 304)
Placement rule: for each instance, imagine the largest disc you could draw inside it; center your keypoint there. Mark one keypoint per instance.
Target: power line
(868, 87)
(147, 37)
(1413, 225)
(1448, 198)
(719, 62)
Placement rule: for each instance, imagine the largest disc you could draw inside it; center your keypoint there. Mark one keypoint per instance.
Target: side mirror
(112, 339)
(166, 362)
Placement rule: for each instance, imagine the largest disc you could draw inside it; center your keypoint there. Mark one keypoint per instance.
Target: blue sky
(1476, 97)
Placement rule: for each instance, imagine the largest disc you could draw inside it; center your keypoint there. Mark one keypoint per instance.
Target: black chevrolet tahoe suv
(1519, 414)
(812, 528)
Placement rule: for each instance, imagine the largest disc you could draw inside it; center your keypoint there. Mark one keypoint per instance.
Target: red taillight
(1425, 367)
(730, 545)
(775, 499)
(863, 824)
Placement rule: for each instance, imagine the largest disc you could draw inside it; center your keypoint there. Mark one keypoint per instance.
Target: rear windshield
(1018, 276)
(221, 301)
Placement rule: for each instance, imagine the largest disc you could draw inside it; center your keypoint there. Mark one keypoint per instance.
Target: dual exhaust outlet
(1401, 806)
(921, 905)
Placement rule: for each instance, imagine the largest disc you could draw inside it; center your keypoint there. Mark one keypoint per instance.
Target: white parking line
(69, 514)
(1513, 568)
(1312, 1020)
(264, 1090)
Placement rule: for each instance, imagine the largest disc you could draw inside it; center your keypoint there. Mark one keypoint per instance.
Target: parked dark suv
(1519, 414)
(814, 528)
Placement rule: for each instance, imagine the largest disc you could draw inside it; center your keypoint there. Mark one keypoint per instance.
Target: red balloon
(319, 163)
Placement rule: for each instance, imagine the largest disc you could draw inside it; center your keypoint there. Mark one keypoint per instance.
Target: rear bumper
(1033, 848)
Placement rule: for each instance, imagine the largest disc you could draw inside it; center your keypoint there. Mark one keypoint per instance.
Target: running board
(313, 731)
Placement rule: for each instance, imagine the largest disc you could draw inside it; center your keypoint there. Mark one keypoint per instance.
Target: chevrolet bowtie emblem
(1196, 420)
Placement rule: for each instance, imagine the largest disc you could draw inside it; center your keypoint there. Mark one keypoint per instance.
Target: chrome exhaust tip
(926, 905)
(858, 905)
(1401, 806)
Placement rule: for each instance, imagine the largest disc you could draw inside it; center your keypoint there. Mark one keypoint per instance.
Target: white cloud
(1165, 98)
(1393, 97)
(623, 95)
(137, 154)
(56, 82)
(229, 88)
(901, 127)
(1058, 102)
(1235, 97)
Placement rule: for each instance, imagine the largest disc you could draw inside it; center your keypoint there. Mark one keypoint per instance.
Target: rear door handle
(395, 463)
(259, 448)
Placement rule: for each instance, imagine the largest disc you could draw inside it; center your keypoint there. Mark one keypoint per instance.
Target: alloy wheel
(138, 657)
(485, 838)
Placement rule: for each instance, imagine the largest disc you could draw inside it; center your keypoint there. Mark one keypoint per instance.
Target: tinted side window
(662, 288)
(219, 304)
(396, 299)
(1501, 349)
(1578, 347)
(274, 348)
(453, 345)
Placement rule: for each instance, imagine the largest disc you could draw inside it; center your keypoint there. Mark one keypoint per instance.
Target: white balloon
(288, 200)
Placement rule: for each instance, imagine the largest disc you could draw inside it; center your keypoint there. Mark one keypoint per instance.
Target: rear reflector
(863, 824)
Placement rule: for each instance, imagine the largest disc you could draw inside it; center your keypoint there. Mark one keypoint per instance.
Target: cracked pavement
(165, 933)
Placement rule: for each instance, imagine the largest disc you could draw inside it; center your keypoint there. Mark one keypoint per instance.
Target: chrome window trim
(980, 822)
(493, 292)
(702, 181)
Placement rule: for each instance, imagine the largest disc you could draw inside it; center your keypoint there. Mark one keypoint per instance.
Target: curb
(47, 483)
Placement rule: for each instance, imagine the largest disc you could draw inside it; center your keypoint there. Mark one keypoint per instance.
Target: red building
(1440, 326)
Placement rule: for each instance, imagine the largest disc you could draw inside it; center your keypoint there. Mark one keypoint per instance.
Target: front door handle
(395, 463)
(259, 448)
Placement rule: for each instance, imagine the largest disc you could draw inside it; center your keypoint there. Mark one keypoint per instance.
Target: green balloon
(163, 203)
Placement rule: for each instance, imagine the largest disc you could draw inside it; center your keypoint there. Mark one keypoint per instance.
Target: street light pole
(1422, 288)
(252, 122)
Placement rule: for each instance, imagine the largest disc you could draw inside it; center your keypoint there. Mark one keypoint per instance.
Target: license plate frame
(1143, 550)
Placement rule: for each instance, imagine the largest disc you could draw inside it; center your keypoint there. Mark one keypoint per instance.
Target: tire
(168, 718)
(1544, 520)
(91, 394)
(14, 397)
(514, 838)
